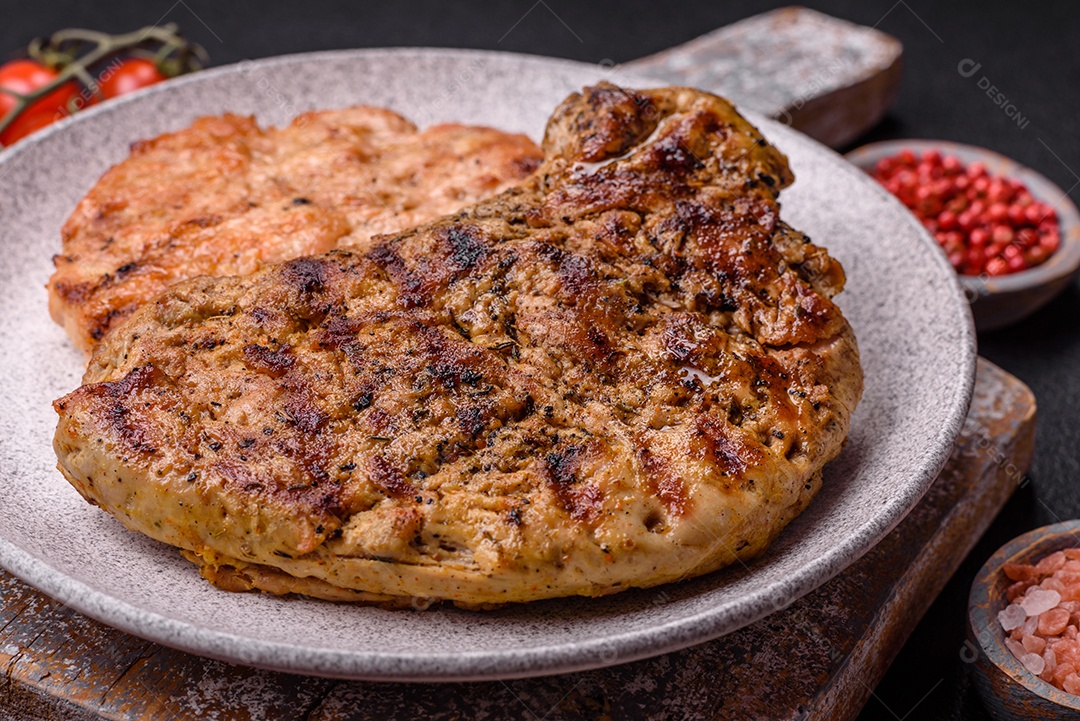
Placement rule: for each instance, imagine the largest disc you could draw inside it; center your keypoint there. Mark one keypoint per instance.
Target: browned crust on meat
(224, 197)
(623, 372)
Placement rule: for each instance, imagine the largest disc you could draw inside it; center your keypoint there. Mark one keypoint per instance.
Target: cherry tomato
(28, 122)
(128, 76)
(24, 77)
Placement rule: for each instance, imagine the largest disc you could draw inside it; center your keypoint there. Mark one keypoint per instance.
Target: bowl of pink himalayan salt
(1024, 626)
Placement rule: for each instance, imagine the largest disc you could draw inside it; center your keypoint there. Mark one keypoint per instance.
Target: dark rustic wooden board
(829, 78)
(819, 658)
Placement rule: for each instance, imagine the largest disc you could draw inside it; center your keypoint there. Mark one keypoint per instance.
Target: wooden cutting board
(831, 79)
(818, 658)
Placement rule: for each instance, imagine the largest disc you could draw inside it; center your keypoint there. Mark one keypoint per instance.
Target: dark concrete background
(1026, 49)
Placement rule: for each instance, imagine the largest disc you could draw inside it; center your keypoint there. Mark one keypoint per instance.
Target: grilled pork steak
(625, 371)
(224, 197)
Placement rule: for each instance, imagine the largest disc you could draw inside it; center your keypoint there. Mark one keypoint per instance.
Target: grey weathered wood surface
(818, 658)
(829, 78)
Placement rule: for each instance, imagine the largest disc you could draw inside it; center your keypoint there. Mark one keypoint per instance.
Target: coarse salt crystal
(1016, 590)
(1050, 658)
(1033, 662)
(1066, 650)
(1016, 647)
(1051, 563)
(1061, 672)
(1052, 584)
(1029, 626)
(1033, 644)
(1053, 622)
(1020, 572)
(1039, 600)
(1012, 616)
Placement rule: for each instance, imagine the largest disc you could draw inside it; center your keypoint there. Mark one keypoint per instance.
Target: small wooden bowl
(1000, 301)
(1009, 691)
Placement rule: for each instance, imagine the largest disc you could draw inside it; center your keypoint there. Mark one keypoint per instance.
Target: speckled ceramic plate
(911, 319)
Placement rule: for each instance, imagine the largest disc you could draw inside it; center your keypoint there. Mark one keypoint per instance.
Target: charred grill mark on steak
(412, 292)
(389, 477)
(123, 408)
(274, 362)
(722, 446)
(664, 482)
(578, 496)
(307, 275)
(466, 247)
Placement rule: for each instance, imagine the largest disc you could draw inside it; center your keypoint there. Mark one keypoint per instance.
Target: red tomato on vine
(24, 77)
(58, 77)
(129, 75)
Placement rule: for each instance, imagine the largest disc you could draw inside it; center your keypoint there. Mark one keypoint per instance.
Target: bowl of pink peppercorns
(1024, 626)
(1011, 235)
